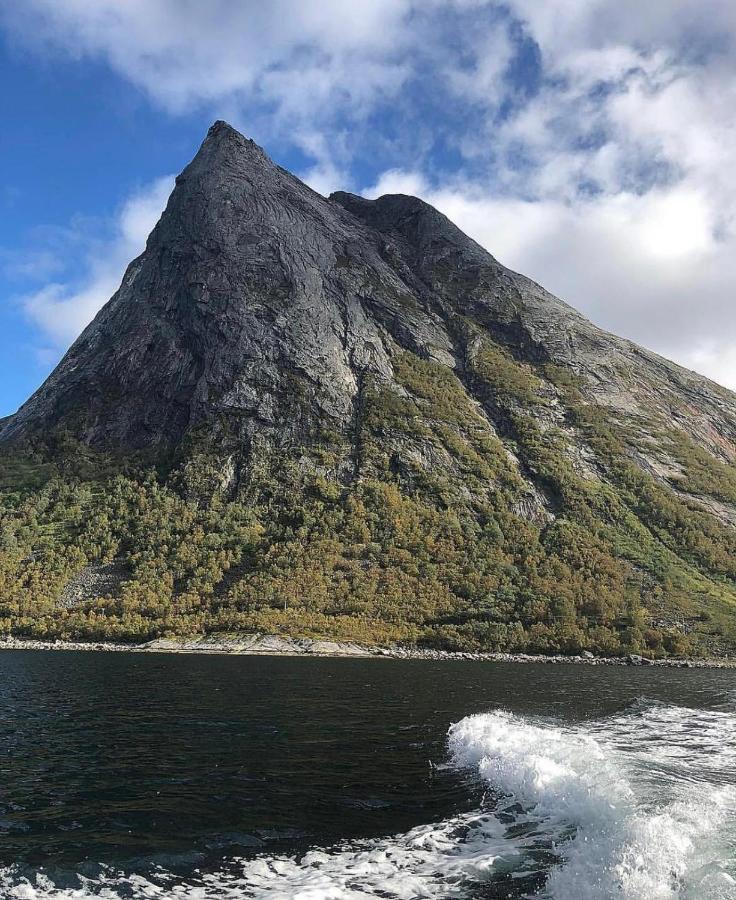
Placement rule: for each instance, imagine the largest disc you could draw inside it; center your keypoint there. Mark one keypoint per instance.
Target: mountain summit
(251, 284)
(552, 486)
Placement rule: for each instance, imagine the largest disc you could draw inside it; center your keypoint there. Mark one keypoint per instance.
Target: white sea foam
(622, 829)
(438, 860)
(640, 806)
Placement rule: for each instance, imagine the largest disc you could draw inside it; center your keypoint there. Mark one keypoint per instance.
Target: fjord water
(128, 775)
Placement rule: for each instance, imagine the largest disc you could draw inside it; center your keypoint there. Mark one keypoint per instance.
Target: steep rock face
(453, 274)
(258, 306)
(251, 293)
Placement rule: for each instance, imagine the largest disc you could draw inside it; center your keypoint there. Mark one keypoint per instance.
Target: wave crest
(616, 837)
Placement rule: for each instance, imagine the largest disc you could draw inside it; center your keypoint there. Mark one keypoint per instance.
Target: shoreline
(273, 645)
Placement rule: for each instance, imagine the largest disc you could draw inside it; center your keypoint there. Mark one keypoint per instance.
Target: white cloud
(34, 264)
(490, 51)
(398, 181)
(62, 309)
(638, 227)
(566, 27)
(301, 56)
(610, 181)
(327, 174)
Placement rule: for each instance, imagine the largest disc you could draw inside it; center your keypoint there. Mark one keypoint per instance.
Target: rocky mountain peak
(224, 147)
(259, 307)
(413, 221)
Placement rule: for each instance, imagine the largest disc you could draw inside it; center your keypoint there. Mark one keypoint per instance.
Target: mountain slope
(362, 425)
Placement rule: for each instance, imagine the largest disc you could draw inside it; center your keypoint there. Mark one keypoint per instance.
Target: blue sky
(588, 143)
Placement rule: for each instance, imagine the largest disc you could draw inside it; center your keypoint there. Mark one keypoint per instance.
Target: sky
(590, 144)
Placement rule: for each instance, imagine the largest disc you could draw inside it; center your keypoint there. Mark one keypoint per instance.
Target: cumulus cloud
(588, 143)
(61, 309)
(612, 183)
(399, 181)
(298, 56)
(632, 191)
(626, 261)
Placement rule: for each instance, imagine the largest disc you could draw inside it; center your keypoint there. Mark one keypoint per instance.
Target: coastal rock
(269, 645)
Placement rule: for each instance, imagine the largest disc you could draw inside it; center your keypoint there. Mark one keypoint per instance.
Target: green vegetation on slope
(429, 541)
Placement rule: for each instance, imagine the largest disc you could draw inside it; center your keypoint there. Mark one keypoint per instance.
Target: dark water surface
(134, 761)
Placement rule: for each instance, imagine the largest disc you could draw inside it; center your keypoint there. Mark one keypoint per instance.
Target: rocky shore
(273, 645)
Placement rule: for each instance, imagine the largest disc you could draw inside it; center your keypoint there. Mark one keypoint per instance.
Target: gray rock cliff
(259, 306)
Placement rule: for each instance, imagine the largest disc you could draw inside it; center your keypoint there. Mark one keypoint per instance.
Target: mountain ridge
(318, 360)
(517, 319)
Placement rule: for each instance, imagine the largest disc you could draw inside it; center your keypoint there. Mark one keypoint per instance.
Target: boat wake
(641, 806)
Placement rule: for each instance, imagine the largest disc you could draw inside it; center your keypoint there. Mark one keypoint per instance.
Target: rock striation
(258, 306)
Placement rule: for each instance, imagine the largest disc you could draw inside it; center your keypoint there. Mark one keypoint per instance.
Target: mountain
(344, 417)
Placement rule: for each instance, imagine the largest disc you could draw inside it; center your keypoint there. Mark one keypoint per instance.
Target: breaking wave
(641, 806)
